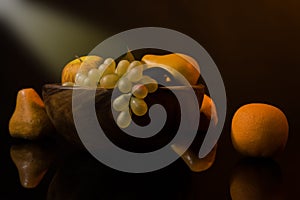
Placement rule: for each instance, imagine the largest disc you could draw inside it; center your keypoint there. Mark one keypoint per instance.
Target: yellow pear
(32, 162)
(83, 63)
(208, 108)
(29, 120)
(184, 64)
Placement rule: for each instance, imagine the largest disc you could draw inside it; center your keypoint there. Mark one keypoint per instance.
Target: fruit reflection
(32, 161)
(256, 179)
(80, 176)
(192, 160)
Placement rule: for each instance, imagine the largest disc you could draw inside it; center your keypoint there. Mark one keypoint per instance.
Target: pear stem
(76, 56)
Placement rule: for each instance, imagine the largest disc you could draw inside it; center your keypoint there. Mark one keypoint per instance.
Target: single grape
(124, 85)
(134, 64)
(121, 103)
(89, 82)
(83, 70)
(124, 119)
(79, 78)
(122, 67)
(68, 84)
(110, 62)
(94, 75)
(138, 106)
(150, 83)
(135, 74)
(106, 69)
(109, 81)
(139, 91)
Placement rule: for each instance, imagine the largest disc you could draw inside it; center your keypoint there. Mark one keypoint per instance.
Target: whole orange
(259, 130)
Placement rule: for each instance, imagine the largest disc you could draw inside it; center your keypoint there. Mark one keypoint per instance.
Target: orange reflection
(256, 179)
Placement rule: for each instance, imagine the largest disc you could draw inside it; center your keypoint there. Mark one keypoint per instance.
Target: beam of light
(52, 36)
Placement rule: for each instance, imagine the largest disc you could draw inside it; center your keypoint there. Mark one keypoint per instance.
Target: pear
(29, 120)
(32, 162)
(208, 113)
(184, 64)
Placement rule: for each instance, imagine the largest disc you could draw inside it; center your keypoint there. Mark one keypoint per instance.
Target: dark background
(255, 45)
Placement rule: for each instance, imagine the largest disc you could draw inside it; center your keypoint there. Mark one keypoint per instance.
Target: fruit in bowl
(124, 91)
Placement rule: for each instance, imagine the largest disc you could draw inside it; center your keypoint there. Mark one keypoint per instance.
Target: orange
(184, 64)
(259, 130)
(84, 63)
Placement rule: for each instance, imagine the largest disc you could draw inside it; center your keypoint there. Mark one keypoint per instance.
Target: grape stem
(130, 101)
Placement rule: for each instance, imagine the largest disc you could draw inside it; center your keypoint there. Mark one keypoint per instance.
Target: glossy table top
(76, 174)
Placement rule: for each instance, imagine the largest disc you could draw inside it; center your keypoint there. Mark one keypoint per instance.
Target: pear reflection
(192, 160)
(81, 176)
(32, 161)
(256, 179)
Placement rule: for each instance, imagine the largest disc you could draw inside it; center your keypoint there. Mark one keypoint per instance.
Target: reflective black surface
(255, 45)
(75, 174)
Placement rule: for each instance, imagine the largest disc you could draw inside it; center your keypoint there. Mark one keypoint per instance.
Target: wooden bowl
(58, 103)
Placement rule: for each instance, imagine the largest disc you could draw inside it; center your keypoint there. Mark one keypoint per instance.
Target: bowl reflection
(83, 177)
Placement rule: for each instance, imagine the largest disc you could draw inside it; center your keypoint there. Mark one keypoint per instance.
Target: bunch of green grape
(134, 87)
(129, 79)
